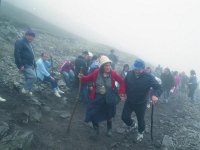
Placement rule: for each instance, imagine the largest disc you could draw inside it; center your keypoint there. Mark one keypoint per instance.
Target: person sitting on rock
(43, 69)
(67, 70)
(192, 85)
(167, 83)
(25, 60)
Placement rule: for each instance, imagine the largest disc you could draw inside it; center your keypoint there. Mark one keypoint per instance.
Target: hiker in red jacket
(103, 97)
(67, 70)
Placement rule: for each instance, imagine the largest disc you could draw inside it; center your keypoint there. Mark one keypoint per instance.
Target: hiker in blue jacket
(25, 60)
(192, 85)
(43, 73)
(138, 84)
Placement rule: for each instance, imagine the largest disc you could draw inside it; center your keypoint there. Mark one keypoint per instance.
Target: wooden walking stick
(76, 104)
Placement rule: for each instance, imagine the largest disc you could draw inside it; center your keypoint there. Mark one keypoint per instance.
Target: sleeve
(17, 54)
(121, 82)
(41, 68)
(157, 90)
(89, 78)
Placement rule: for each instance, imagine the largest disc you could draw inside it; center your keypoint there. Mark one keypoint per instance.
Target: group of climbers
(98, 79)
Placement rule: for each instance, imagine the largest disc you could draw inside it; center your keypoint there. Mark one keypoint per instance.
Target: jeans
(68, 77)
(139, 110)
(30, 77)
(53, 83)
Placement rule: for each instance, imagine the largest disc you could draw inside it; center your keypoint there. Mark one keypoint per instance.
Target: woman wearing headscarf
(102, 107)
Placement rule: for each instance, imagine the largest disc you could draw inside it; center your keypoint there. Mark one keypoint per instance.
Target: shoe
(57, 94)
(30, 93)
(2, 99)
(109, 132)
(132, 127)
(61, 92)
(140, 136)
(24, 91)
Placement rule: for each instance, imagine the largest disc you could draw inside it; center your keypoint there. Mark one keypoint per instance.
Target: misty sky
(160, 32)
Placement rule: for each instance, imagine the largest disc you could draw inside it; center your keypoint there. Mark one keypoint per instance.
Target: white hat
(90, 54)
(104, 59)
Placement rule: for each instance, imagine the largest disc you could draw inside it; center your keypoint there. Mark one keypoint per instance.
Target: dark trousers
(109, 125)
(139, 110)
(52, 82)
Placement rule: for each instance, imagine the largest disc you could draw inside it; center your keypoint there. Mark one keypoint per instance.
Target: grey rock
(47, 108)
(120, 130)
(35, 115)
(168, 143)
(17, 140)
(3, 129)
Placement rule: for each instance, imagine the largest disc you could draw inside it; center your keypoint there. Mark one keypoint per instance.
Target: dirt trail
(50, 133)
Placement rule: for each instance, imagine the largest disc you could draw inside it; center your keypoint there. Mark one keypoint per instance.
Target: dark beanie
(30, 33)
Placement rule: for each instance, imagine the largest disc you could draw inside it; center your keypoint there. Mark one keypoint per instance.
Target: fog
(160, 32)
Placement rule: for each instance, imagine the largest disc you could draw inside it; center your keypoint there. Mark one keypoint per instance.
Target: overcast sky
(161, 32)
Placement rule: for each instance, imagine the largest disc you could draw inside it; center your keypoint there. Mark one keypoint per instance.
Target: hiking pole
(76, 104)
(152, 110)
(51, 59)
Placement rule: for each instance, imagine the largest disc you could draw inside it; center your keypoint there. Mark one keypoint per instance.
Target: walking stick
(76, 104)
(152, 110)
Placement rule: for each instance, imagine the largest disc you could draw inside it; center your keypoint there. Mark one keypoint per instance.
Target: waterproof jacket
(167, 81)
(23, 53)
(114, 77)
(192, 84)
(66, 66)
(80, 62)
(137, 88)
(43, 68)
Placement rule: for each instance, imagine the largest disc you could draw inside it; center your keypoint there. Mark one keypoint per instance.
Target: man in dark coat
(25, 60)
(113, 58)
(167, 83)
(138, 83)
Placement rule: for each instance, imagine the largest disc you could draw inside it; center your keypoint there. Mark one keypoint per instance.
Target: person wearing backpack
(138, 83)
(25, 60)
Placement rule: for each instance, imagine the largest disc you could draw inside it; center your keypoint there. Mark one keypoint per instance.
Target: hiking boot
(140, 136)
(96, 128)
(57, 94)
(109, 128)
(61, 92)
(2, 99)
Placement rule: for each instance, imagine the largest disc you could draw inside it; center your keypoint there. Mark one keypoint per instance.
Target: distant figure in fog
(124, 71)
(113, 58)
(192, 85)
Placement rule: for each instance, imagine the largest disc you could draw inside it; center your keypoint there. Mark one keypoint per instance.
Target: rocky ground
(40, 122)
